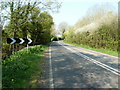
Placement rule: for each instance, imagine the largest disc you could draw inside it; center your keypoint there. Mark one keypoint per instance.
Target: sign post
(27, 44)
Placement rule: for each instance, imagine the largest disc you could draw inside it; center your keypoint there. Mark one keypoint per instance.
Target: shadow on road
(73, 71)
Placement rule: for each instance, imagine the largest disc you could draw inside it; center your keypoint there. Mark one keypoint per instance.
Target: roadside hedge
(21, 66)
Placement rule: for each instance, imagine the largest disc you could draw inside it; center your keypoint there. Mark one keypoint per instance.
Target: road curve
(75, 67)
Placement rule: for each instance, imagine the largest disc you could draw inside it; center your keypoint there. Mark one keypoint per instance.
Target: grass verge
(110, 52)
(23, 68)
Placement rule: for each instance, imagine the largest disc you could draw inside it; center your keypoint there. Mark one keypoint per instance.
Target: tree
(97, 29)
(62, 28)
(24, 19)
(19, 11)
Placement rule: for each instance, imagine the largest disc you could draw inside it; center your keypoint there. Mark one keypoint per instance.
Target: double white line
(115, 71)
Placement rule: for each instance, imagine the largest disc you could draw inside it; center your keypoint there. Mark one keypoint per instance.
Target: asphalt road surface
(75, 67)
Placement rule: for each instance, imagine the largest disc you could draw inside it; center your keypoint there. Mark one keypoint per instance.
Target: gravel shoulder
(44, 78)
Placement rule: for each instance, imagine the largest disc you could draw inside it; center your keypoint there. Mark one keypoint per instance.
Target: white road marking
(115, 71)
(50, 70)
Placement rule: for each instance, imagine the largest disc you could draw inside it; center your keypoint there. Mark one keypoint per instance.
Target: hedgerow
(19, 67)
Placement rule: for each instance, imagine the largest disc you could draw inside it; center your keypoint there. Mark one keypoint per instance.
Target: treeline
(26, 21)
(98, 30)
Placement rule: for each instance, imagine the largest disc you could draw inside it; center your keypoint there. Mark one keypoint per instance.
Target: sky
(74, 10)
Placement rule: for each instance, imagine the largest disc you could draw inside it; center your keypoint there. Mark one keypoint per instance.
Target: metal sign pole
(13, 48)
(27, 44)
(13, 45)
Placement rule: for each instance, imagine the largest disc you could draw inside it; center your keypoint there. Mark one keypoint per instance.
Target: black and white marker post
(13, 45)
(19, 40)
(12, 41)
(27, 44)
(30, 41)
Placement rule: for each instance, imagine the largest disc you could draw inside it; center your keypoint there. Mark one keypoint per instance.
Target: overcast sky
(73, 10)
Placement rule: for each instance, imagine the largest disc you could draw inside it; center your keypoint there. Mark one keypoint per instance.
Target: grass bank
(23, 68)
(110, 52)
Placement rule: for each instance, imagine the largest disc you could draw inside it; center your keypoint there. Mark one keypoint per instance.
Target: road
(75, 67)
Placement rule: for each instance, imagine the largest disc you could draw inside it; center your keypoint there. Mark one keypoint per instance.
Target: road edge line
(50, 70)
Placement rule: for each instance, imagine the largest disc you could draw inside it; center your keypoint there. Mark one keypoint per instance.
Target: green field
(23, 69)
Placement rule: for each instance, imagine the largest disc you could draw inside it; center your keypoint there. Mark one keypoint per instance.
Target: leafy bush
(19, 67)
(102, 32)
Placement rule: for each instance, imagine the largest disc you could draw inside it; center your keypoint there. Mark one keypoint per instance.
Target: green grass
(23, 69)
(110, 52)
